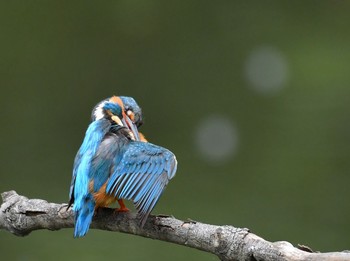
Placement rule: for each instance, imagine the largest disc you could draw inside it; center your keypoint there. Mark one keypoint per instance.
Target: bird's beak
(127, 122)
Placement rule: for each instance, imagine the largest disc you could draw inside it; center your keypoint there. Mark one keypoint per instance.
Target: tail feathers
(83, 218)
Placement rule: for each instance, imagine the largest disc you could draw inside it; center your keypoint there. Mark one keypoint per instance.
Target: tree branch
(20, 216)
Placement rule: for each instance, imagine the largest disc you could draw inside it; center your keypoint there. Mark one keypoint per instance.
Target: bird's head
(113, 109)
(133, 110)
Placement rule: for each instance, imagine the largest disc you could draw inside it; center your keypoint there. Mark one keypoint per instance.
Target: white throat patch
(98, 113)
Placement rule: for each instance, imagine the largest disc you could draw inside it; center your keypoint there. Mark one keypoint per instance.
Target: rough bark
(20, 216)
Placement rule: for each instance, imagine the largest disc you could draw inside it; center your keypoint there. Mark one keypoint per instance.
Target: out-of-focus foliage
(269, 78)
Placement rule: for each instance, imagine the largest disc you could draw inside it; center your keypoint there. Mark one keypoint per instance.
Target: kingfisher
(115, 162)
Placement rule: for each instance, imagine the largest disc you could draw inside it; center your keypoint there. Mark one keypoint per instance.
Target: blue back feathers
(93, 137)
(79, 190)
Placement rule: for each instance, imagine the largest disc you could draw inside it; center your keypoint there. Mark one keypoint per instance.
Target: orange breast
(101, 198)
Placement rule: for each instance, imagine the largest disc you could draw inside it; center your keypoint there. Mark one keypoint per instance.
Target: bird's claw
(124, 209)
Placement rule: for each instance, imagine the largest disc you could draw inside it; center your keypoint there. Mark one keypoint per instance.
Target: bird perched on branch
(114, 163)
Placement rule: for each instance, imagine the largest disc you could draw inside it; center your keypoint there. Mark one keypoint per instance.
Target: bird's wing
(141, 175)
(72, 183)
(93, 137)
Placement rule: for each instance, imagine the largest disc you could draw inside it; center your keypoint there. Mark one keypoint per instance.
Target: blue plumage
(93, 137)
(85, 212)
(82, 174)
(141, 175)
(131, 104)
(111, 165)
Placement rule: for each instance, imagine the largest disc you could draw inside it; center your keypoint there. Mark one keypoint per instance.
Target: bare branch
(20, 216)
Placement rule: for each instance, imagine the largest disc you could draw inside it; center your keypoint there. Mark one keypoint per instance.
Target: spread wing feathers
(142, 175)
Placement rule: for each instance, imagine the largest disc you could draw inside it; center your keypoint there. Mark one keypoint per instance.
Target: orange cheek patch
(117, 100)
(113, 99)
(132, 116)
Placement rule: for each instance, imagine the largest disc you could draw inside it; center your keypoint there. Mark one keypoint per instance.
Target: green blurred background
(251, 96)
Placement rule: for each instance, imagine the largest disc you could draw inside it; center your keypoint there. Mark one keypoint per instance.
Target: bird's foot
(122, 208)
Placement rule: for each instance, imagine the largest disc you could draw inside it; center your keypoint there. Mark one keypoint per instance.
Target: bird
(134, 118)
(112, 164)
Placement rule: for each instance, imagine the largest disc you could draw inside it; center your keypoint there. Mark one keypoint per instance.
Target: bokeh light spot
(266, 70)
(216, 138)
